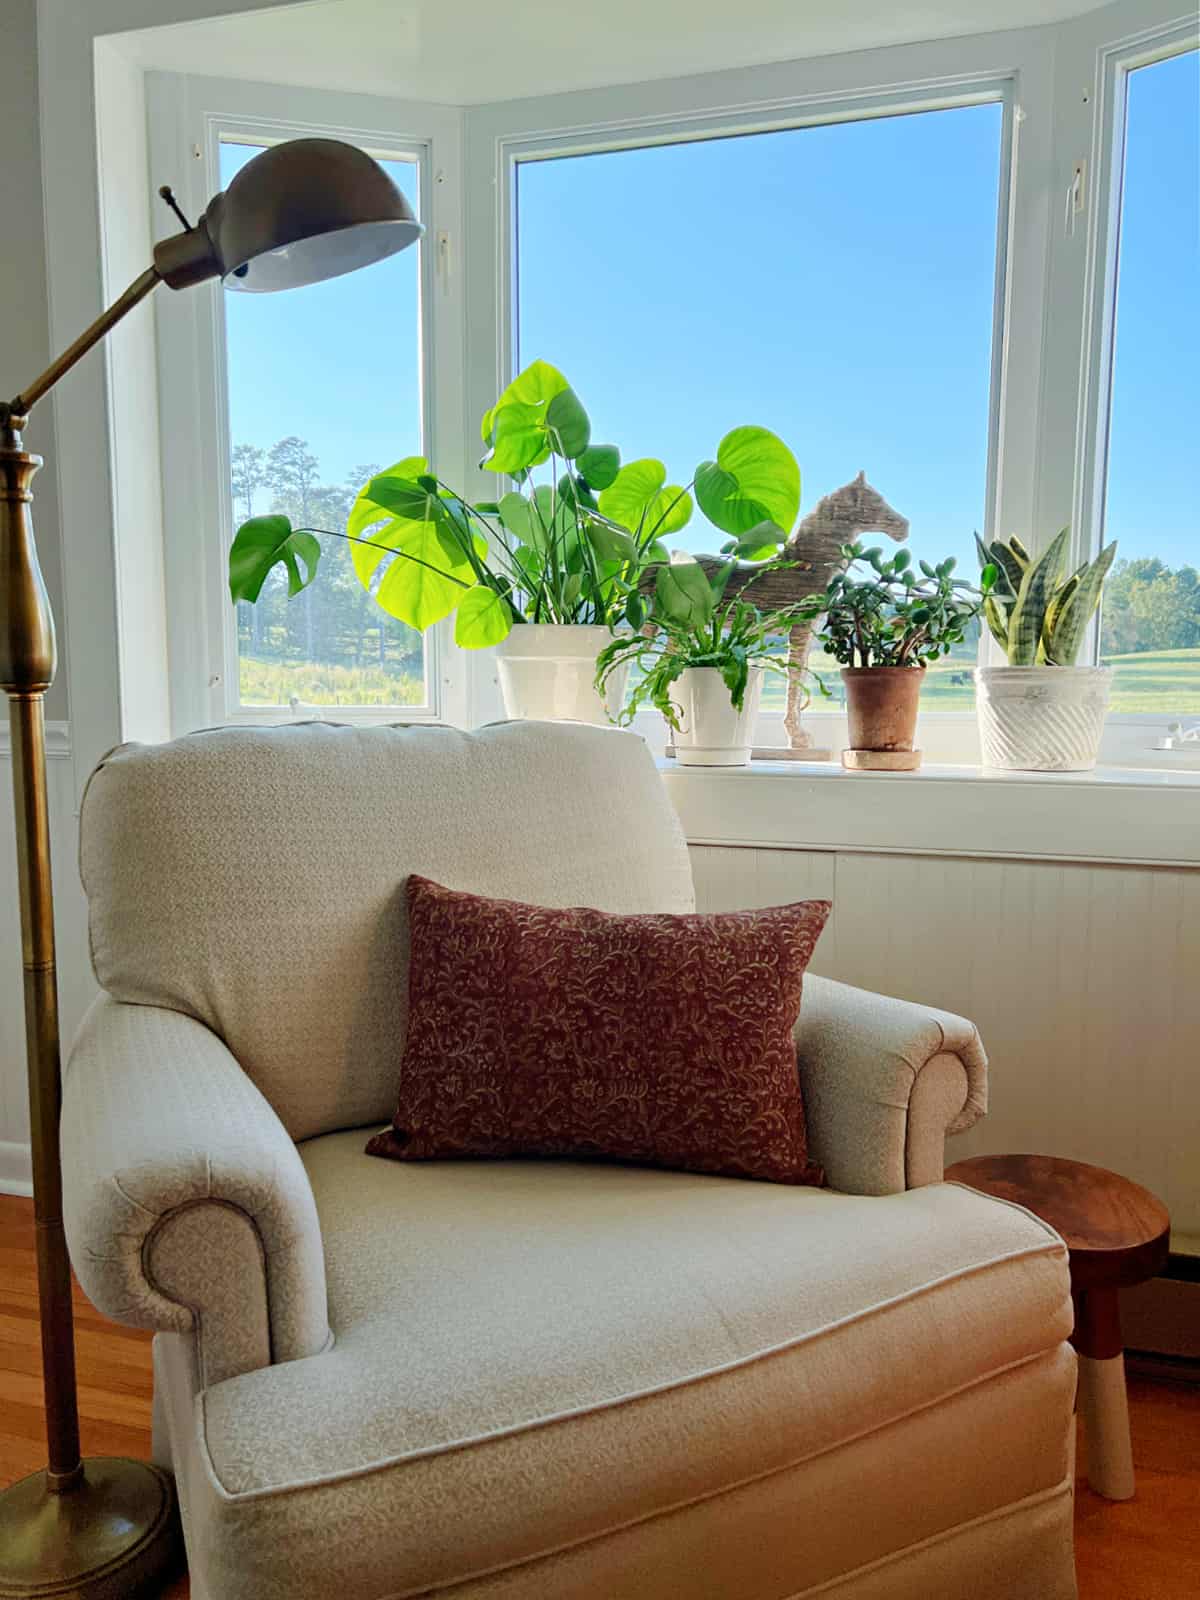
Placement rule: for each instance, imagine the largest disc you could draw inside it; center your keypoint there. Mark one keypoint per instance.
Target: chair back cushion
(254, 878)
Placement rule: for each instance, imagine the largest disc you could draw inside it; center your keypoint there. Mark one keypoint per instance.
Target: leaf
(761, 541)
(1010, 564)
(754, 478)
(611, 543)
(638, 500)
(266, 542)
(518, 439)
(366, 511)
(517, 516)
(683, 594)
(536, 385)
(567, 424)
(635, 610)
(1029, 612)
(1064, 632)
(483, 618)
(599, 464)
(423, 584)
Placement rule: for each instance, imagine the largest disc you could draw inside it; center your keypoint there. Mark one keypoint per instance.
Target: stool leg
(1103, 1403)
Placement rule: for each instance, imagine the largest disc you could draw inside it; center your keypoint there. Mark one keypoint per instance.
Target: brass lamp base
(114, 1536)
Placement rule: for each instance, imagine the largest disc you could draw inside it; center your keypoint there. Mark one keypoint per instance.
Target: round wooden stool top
(1118, 1233)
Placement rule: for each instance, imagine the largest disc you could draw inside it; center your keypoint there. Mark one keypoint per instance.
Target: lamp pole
(109, 1525)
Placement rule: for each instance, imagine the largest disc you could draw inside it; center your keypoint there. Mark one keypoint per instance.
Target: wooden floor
(1146, 1549)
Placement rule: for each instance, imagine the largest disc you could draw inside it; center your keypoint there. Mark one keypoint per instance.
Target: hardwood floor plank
(1147, 1548)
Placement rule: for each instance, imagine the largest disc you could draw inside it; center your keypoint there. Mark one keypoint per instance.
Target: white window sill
(1114, 814)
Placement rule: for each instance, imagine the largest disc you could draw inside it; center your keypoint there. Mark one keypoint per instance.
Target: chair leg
(1103, 1402)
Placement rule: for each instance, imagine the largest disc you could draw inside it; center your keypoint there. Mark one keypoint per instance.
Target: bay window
(939, 265)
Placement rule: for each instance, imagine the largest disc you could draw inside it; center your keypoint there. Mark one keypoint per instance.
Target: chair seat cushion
(529, 1356)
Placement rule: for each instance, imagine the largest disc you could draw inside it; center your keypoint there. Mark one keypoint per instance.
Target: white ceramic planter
(1041, 719)
(712, 733)
(547, 672)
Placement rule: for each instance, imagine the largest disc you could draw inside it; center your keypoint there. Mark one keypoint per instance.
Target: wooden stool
(1118, 1235)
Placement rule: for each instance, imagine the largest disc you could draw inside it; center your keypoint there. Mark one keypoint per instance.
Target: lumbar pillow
(658, 1039)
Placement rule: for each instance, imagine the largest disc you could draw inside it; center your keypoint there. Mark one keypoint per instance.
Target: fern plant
(1036, 613)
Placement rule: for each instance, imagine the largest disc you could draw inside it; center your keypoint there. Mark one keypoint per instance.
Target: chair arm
(187, 1207)
(884, 1081)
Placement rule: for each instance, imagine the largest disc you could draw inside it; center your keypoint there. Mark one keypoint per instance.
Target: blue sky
(834, 284)
(1153, 505)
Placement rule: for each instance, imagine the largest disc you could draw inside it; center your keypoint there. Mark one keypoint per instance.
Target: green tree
(1148, 606)
(292, 476)
(247, 475)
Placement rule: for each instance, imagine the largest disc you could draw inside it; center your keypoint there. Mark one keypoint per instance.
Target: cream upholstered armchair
(517, 1379)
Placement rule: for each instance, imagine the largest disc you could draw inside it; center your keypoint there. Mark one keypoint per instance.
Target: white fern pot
(1042, 719)
(547, 672)
(711, 732)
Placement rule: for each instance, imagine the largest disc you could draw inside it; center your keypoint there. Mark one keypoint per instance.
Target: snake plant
(1037, 614)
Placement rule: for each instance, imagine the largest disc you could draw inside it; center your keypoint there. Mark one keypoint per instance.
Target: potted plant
(546, 572)
(883, 623)
(702, 657)
(1041, 712)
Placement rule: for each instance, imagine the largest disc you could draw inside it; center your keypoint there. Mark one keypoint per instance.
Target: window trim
(188, 119)
(1114, 64)
(1114, 61)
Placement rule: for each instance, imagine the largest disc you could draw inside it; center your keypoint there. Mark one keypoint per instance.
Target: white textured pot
(1041, 719)
(547, 671)
(712, 733)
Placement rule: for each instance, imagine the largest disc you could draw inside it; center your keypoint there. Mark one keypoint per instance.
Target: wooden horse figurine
(816, 548)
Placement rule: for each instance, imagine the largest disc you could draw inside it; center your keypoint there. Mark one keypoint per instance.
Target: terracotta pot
(881, 706)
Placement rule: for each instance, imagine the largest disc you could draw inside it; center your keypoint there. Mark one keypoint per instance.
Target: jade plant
(570, 542)
(880, 612)
(691, 623)
(1037, 614)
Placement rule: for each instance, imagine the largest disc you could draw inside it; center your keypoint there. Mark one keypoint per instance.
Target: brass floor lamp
(299, 212)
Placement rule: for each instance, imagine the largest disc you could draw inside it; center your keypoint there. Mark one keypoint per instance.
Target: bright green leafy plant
(1037, 614)
(695, 625)
(570, 543)
(882, 613)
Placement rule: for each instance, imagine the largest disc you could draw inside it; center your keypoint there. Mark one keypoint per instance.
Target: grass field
(1165, 681)
(1151, 681)
(273, 683)
(1157, 680)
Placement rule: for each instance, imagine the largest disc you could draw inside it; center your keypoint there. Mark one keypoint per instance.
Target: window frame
(1114, 61)
(946, 735)
(188, 119)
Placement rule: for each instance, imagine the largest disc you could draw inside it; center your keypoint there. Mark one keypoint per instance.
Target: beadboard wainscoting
(75, 983)
(1084, 980)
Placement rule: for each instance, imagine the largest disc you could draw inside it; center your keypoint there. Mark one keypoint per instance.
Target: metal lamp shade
(299, 212)
(303, 211)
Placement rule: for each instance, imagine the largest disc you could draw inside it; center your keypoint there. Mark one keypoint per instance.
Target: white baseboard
(16, 1171)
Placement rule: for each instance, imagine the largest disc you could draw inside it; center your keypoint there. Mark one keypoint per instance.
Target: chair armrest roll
(187, 1207)
(884, 1082)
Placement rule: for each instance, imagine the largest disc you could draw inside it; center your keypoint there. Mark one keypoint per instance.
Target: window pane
(834, 284)
(324, 390)
(1151, 625)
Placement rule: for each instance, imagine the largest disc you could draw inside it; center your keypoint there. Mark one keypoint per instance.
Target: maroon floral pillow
(658, 1039)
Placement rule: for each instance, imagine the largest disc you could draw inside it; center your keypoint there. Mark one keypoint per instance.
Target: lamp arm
(33, 392)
